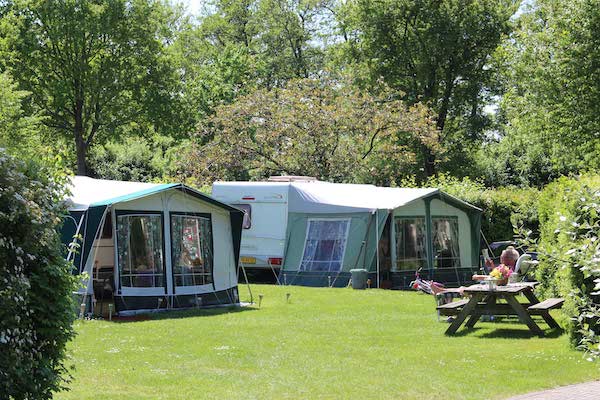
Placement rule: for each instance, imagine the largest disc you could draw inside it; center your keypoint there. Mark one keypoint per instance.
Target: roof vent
(292, 178)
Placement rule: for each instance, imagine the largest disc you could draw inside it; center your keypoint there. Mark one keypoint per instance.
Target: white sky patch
(194, 7)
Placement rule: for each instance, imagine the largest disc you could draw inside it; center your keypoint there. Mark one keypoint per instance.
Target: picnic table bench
(484, 301)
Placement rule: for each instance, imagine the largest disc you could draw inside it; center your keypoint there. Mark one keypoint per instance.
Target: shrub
(137, 159)
(36, 310)
(569, 250)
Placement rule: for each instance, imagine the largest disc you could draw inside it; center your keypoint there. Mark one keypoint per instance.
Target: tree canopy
(512, 88)
(436, 52)
(93, 67)
(315, 127)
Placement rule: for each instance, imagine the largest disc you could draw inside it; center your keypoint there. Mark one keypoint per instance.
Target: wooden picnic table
(484, 301)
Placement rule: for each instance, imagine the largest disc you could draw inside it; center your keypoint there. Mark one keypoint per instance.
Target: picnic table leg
(523, 314)
(465, 312)
(473, 319)
(490, 301)
(547, 317)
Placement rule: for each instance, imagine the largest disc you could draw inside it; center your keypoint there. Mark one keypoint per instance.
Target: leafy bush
(136, 159)
(569, 252)
(36, 310)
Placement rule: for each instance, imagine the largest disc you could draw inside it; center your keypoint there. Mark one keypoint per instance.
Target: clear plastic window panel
(445, 242)
(325, 245)
(140, 250)
(191, 250)
(411, 243)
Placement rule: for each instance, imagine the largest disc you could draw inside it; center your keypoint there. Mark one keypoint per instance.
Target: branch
(377, 132)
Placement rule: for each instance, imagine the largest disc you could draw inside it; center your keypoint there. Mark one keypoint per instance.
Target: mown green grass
(326, 343)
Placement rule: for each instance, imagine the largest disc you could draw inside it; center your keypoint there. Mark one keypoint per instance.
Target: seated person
(508, 257)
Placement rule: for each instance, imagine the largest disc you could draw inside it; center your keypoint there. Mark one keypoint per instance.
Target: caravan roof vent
(292, 178)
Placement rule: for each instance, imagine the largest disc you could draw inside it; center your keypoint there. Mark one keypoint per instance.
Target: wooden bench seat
(546, 305)
(452, 308)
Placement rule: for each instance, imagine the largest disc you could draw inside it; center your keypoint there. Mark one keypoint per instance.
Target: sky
(193, 6)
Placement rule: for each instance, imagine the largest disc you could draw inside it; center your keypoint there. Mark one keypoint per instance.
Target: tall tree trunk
(81, 147)
(80, 142)
(429, 158)
(428, 161)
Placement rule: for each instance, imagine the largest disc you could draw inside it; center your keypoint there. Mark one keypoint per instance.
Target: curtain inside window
(325, 245)
(411, 249)
(140, 250)
(445, 242)
(191, 250)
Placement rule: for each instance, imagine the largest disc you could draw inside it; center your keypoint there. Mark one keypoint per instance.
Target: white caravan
(265, 206)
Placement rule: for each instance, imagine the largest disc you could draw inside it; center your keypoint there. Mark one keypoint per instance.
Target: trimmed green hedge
(569, 250)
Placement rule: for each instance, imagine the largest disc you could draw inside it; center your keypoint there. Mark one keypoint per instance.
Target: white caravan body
(266, 207)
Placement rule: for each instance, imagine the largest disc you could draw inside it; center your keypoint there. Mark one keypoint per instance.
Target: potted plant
(501, 274)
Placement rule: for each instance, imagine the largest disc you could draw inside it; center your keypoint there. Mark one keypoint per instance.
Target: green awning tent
(333, 228)
(153, 245)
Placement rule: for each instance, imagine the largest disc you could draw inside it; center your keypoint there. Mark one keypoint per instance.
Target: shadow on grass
(508, 333)
(178, 314)
(521, 333)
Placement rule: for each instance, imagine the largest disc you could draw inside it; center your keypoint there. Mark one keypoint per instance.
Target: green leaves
(36, 284)
(433, 52)
(569, 252)
(551, 75)
(92, 67)
(323, 128)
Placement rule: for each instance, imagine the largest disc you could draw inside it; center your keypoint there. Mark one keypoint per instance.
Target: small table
(483, 301)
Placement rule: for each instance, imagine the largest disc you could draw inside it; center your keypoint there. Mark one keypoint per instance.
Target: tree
(435, 52)
(94, 66)
(322, 128)
(551, 104)
(279, 39)
(17, 130)
(36, 285)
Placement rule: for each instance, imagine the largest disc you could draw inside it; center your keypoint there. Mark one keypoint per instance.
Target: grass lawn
(327, 343)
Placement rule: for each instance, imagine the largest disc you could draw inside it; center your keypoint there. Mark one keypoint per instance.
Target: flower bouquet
(501, 274)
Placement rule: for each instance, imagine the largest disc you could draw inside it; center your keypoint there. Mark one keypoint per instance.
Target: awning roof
(89, 192)
(325, 197)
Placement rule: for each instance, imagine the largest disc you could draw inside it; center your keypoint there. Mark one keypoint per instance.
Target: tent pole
(247, 283)
(377, 245)
(74, 241)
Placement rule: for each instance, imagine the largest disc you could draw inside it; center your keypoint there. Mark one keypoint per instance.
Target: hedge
(36, 310)
(569, 252)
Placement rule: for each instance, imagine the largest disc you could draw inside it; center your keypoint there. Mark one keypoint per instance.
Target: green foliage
(433, 52)
(36, 309)
(136, 159)
(552, 85)
(570, 251)
(21, 133)
(322, 128)
(279, 37)
(504, 209)
(93, 67)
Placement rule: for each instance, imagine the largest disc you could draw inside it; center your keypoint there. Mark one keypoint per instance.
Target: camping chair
(524, 265)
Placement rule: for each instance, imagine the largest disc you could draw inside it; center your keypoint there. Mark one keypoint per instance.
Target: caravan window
(325, 245)
(191, 249)
(411, 248)
(445, 241)
(140, 250)
(247, 209)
